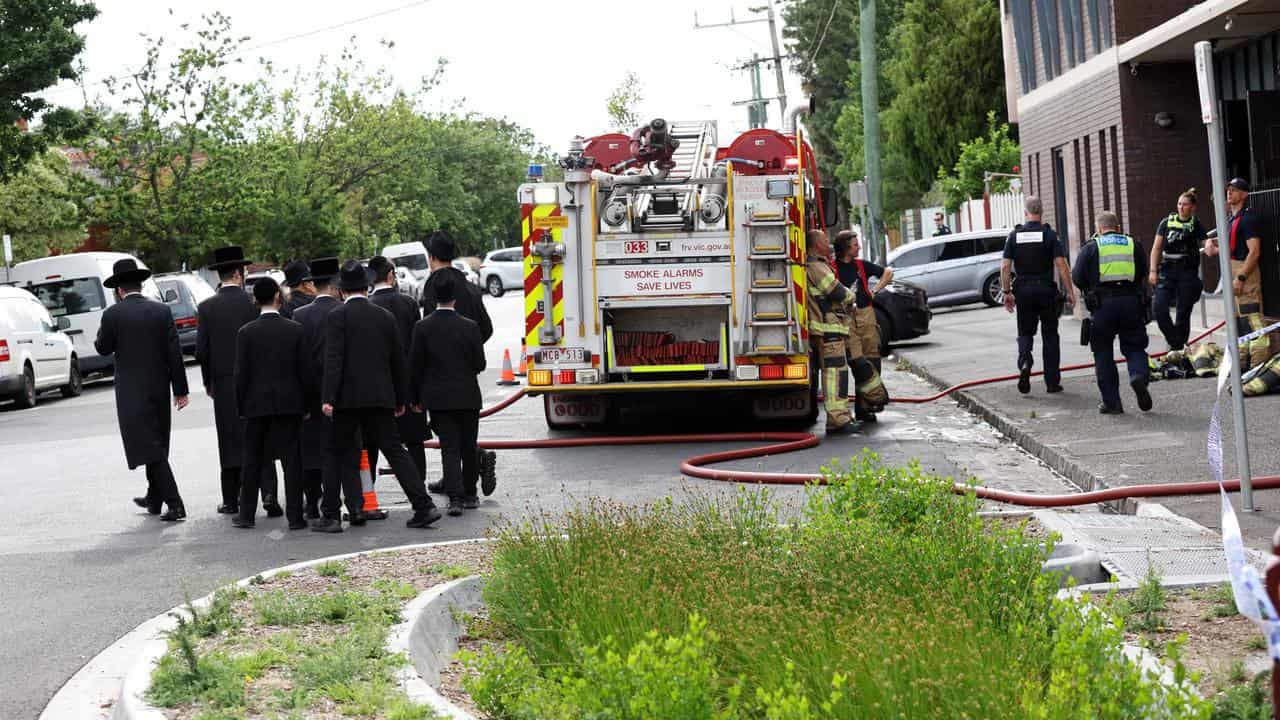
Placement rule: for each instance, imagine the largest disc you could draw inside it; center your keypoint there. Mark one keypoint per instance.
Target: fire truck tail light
(567, 377)
(792, 162)
(588, 377)
(539, 377)
(771, 372)
(4, 351)
(796, 372)
(748, 372)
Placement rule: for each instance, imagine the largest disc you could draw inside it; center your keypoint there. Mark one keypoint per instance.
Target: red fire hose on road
(779, 443)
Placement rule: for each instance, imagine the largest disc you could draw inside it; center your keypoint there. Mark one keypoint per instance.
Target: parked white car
(464, 267)
(503, 270)
(954, 269)
(70, 287)
(35, 355)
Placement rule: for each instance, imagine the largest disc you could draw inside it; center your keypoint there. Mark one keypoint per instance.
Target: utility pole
(871, 124)
(758, 105)
(773, 39)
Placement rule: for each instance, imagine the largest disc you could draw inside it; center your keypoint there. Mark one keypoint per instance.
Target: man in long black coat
(148, 361)
(336, 474)
(302, 288)
(220, 319)
(412, 425)
(271, 371)
(446, 356)
(366, 387)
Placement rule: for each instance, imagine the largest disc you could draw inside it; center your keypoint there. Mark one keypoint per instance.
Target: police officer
(1175, 270)
(1245, 246)
(829, 304)
(940, 225)
(1110, 271)
(1032, 251)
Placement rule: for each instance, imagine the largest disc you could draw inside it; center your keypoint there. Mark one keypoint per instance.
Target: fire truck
(667, 268)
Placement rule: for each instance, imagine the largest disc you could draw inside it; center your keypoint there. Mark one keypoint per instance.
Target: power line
(834, 5)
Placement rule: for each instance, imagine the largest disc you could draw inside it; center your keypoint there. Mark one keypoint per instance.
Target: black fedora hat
(296, 273)
(354, 276)
(324, 268)
(126, 271)
(231, 256)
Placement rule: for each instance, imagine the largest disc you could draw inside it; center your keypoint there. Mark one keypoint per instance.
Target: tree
(37, 47)
(623, 102)
(40, 210)
(994, 152)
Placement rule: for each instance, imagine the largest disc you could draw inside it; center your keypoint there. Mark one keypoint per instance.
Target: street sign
(1204, 66)
(857, 194)
(8, 251)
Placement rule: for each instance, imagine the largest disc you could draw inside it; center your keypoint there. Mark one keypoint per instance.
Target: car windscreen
(71, 297)
(413, 262)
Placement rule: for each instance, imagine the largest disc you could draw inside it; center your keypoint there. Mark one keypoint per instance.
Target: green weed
(1257, 642)
(1249, 701)
(332, 568)
(448, 571)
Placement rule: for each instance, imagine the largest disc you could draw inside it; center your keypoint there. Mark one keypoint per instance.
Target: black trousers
(265, 439)
(230, 479)
(458, 431)
(312, 487)
(1180, 286)
(161, 486)
(1123, 317)
(378, 426)
(1038, 304)
(340, 479)
(412, 427)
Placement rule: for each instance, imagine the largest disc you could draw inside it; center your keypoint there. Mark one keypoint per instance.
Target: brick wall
(1134, 17)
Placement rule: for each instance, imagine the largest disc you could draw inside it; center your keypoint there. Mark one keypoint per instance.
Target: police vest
(1177, 238)
(1032, 256)
(1115, 258)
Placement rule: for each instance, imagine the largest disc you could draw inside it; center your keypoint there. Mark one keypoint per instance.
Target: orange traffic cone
(523, 369)
(508, 375)
(371, 509)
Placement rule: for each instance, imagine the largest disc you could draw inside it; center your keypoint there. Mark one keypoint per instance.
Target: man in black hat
(148, 361)
(327, 474)
(220, 319)
(412, 425)
(366, 387)
(469, 303)
(446, 357)
(271, 368)
(302, 290)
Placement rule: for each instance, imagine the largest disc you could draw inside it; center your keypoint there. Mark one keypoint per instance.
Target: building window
(1088, 174)
(1020, 10)
(1082, 228)
(1104, 18)
(1070, 17)
(1102, 170)
(1115, 173)
(1047, 13)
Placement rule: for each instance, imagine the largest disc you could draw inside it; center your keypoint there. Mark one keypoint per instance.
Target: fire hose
(778, 443)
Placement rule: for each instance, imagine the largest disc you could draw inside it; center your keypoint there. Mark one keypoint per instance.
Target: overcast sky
(547, 65)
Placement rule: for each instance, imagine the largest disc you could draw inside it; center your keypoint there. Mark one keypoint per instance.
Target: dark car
(902, 312)
(182, 292)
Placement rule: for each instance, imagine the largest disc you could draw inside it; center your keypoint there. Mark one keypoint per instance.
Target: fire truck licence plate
(564, 355)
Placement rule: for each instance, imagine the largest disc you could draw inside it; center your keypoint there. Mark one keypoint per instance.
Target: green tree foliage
(623, 102)
(37, 46)
(39, 209)
(994, 152)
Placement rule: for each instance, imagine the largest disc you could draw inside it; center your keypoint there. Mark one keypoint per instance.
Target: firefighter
(1175, 270)
(1245, 246)
(1032, 251)
(829, 304)
(862, 346)
(1110, 271)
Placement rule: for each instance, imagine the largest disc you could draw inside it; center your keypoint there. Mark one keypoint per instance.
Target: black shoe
(226, 509)
(1051, 389)
(1104, 409)
(327, 525)
(1143, 395)
(1024, 380)
(358, 519)
(174, 514)
(852, 427)
(374, 514)
(455, 507)
(865, 416)
(437, 487)
(298, 524)
(241, 523)
(272, 506)
(151, 508)
(424, 518)
(470, 502)
(488, 471)
(313, 512)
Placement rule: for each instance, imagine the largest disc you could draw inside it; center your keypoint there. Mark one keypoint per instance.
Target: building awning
(1175, 39)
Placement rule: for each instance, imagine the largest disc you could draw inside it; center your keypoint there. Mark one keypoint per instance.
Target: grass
(1247, 701)
(892, 599)
(332, 568)
(448, 571)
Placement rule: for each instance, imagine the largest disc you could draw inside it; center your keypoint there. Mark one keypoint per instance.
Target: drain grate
(1171, 563)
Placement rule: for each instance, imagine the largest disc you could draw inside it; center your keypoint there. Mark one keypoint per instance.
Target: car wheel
(27, 396)
(75, 385)
(885, 327)
(991, 293)
(494, 286)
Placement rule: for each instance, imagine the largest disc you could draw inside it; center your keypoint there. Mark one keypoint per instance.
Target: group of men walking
(310, 379)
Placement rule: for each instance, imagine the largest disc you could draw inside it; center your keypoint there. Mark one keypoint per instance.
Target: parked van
(70, 286)
(34, 355)
(954, 269)
(411, 256)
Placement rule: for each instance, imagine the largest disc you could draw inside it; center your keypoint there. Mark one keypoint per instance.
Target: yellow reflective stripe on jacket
(1115, 258)
(1173, 222)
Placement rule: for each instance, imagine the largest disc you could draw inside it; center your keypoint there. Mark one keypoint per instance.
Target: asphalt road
(82, 566)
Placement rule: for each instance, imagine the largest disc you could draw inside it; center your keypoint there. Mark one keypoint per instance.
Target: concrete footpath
(1066, 432)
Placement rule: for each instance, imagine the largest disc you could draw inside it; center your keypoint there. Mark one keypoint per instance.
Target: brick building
(1105, 97)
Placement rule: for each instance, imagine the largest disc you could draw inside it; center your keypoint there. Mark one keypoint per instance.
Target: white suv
(502, 270)
(34, 353)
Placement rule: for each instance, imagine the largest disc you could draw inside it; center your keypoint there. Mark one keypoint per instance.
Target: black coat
(148, 362)
(315, 429)
(469, 304)
(221, 318)
(271, 368)
(446, 357)
(403, 308)
(297, 300)
(364, 365)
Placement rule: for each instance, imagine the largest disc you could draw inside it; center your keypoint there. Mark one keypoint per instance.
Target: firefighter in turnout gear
(1110, 272)
(829, 306)
(1175, 270)
(1033, 251)
(1245, 247)
(863, 343)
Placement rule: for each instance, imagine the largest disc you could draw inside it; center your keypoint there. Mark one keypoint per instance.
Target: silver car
(954, 269)
(503, 270)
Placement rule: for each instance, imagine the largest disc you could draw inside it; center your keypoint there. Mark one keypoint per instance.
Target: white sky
(548, 66)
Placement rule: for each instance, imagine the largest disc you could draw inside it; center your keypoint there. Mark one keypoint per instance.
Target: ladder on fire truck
(771, 322)
(670, 207)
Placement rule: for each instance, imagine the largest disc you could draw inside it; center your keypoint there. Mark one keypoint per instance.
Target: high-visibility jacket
(828, 301)
(1177, 238)
(1115, 258)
